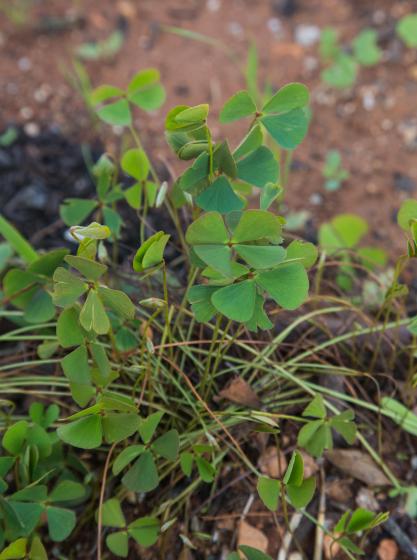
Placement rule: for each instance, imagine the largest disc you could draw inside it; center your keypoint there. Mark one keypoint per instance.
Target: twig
(100, 506)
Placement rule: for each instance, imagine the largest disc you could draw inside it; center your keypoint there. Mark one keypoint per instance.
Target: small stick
(321, 518)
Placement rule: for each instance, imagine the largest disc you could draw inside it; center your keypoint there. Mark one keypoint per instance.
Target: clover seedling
(343, 234)
(316, 435)
(114, 105)
(406, 29)
(142, 476)
(298, 489)
(355, 522)
(144, 530)
(342, 68)
(333, 171)
(243, 260)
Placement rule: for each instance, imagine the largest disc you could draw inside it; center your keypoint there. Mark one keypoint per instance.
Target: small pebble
(387, 124)
(414, 462)
(275, 26)
(26, 113)
(235, 29)
(368, 101)
(32, 129)
(310, 63)
(24, 64)
(379, 17)
(404, 183)
(213, 5)
(316, 199)
(307, 35)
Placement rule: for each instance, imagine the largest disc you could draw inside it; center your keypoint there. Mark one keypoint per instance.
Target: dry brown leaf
(339, 490)
(387, 550)
(268, 462)
(331, 548)
(358, 465)
(240, 392)
(251, 536)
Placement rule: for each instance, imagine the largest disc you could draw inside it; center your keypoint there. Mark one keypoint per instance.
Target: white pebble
(307, 35)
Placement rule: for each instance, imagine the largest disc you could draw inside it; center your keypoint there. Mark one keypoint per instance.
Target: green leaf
(15, 437)
(406, 28)
(315, 437)
(407, 214)
(361, 519)
(289, 97)
(147, 427)
(47, 263)
(143, 476)
(347, 544)
(17, 241)
(216, 256)
(300, 496)
(269, 491)
(155, 254)
(93, 316)
(40, 308)
(145, 531)
(85, 433)
(118, 543)
(256, 224)
(259, 318)
(15, 550)
(250, 142)
(145, 91)
(67, 287)
(94, 230)
(400, 414)
(288, 129)
(207, 229)
(258, 256)
(127, 456)
(258, 168)
(105, 92)
(112, 514)
(239, 106)
(200, 299)
(304, 251)
(75, 210)
(365, 47)
(76, 367)
(17, 286)
(92, 270)
(316, 408)
(342, 74)
(269, 194)
(68, 329)
(167, 445)
(117, 426)
(61, 522)
(220, 197)
(196, 114)
(67, 491)
(118, 301)
(196, 178)
(343, 425)
(37, 550)
(236, 301)
(116, 113)
(205, 469)
(223, 160)
(150, 253)
(186, 462)
(295, 471)
(287, 285)
(253, 554)
(135, 163)
(343, 232)
(31, 494)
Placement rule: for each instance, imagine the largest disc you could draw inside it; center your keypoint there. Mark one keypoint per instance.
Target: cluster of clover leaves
(240, 255)
(239, 250)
